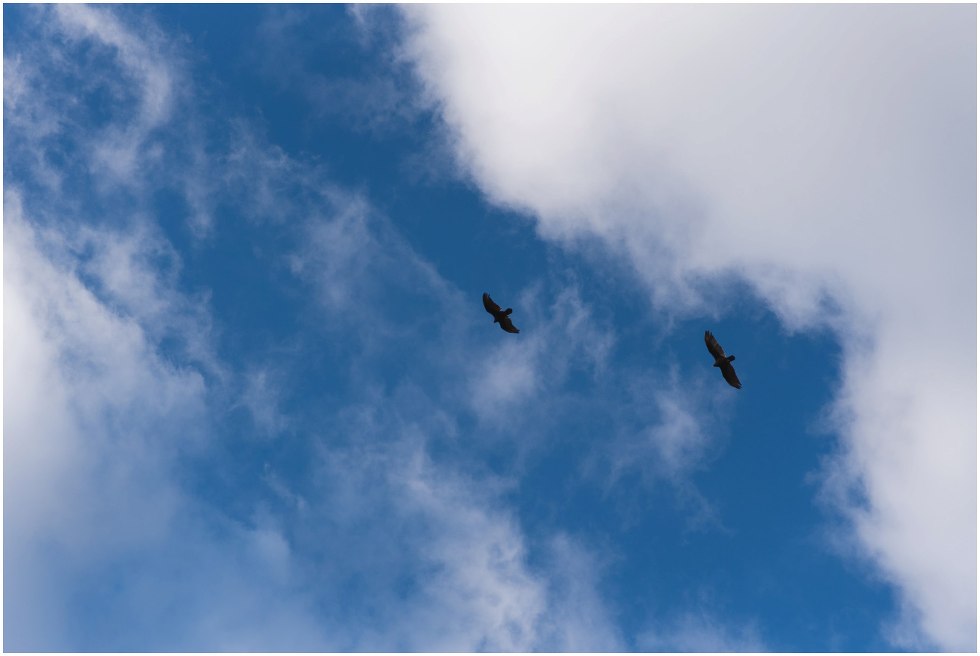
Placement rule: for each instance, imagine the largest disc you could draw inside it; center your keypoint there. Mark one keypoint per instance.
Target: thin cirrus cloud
(116, 541)
(106, 435)
(97, 428)
(436, 566)
(516, 374)
(85, 396)
(700, 632)
(823, 154)
(81, 134)
(118, 147)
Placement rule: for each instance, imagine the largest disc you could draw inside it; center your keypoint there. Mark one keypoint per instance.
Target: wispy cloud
(129, 132)
(515, 374)
(93, 423)
(702, 632)
(673, 439)
(119, 418)
(378, 98)
(120, 148)
(431, 556)
(261, 398)
(118, 382)
(578, 617)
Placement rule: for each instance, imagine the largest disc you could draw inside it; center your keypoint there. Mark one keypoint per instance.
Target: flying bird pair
(722, 361)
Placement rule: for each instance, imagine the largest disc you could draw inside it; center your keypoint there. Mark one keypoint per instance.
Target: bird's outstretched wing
(713, 346)
(488, 303)
(728, 371)
(508, 325)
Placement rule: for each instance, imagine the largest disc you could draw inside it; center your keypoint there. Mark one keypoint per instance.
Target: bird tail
(508, 311)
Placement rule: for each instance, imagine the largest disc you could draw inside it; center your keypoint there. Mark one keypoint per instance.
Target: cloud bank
(826, 155)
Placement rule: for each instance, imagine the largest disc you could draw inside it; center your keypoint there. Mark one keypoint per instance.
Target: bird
(499, 316)
(722, 361)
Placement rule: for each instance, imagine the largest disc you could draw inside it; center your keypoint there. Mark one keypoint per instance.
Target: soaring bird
(721, 360)
(499, 316)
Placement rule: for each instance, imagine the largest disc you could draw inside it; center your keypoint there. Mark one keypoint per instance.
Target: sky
(252, 399)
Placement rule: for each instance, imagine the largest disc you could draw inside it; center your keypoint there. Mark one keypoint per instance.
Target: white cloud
(825, 154)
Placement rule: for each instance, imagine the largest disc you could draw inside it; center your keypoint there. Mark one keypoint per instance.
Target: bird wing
(713, 346)
(488, 303)
(728, 371)
(508, 325)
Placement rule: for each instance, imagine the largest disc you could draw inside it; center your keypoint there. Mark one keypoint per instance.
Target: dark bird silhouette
(499, 316)
(722, 361)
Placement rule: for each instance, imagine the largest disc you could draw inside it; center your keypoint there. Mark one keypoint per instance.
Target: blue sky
(253, 401)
